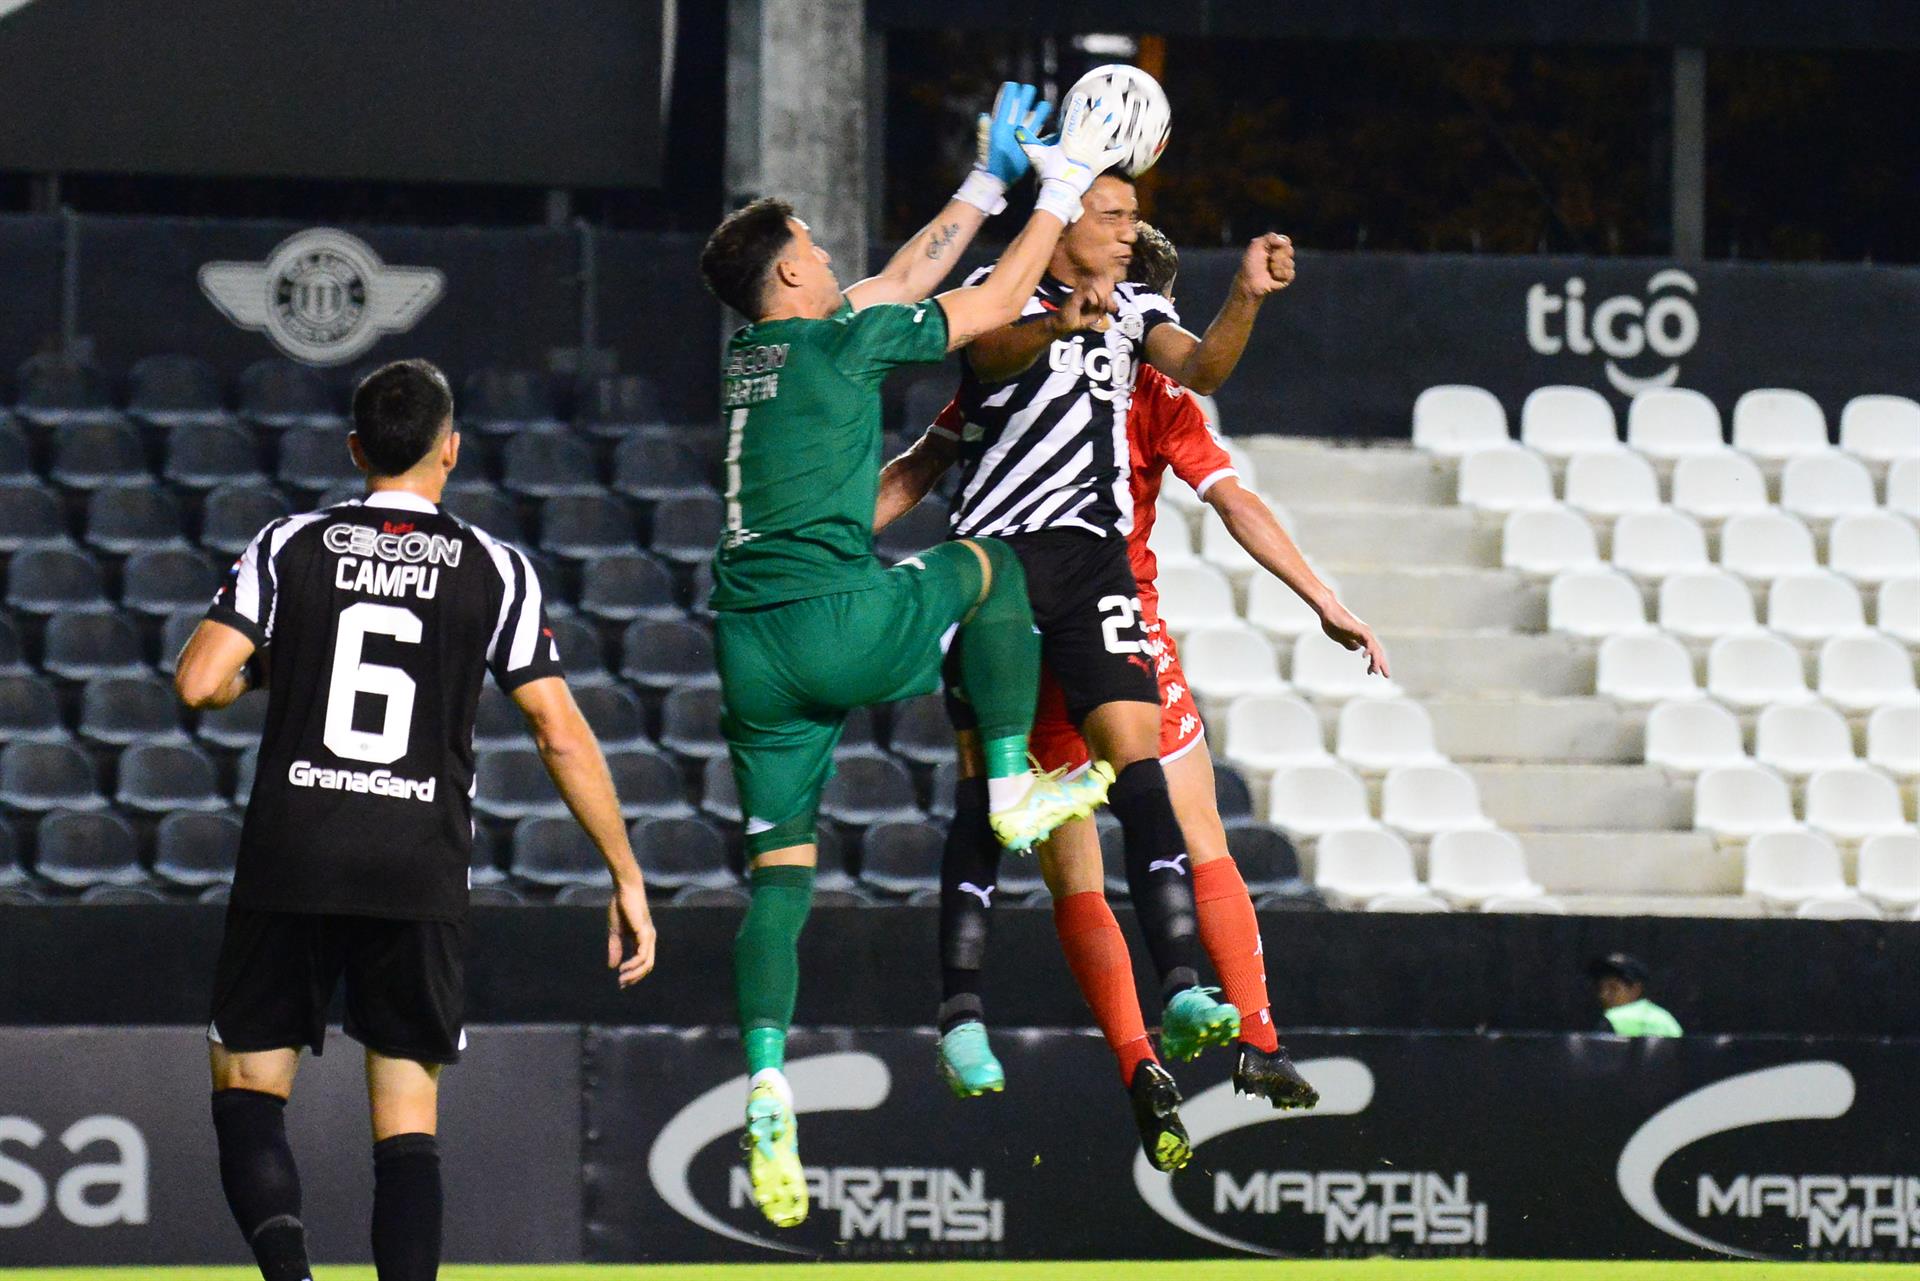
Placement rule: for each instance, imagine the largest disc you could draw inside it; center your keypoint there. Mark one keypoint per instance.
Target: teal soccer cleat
(967, 1062)
(1193, 1020)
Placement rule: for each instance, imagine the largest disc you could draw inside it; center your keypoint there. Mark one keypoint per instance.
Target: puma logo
(1177, 865)
(984, 895)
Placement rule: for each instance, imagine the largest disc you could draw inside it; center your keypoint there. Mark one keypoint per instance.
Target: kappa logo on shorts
(322, 295)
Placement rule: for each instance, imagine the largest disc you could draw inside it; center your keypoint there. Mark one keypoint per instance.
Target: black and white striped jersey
(377, 620)
(1047, 449)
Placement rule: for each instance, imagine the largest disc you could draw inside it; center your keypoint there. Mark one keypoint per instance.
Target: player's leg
(969, 875)
(408, 1201)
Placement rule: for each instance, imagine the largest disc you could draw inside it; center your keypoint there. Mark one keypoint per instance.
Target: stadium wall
(620, 1144)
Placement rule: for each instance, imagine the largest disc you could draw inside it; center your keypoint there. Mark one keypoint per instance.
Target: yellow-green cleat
(1156, 1111)
(773, 1158)
(1051, 801)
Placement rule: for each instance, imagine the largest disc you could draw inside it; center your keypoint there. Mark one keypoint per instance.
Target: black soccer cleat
(1156, 1110)
(1272, 1077)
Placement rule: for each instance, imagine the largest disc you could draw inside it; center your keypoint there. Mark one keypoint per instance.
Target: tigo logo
(1622, 328)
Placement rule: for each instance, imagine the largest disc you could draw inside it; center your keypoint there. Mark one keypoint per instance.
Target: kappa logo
(322, 296)
(1622, 328)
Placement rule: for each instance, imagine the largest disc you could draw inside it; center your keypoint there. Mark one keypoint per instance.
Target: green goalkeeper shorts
(790, 673)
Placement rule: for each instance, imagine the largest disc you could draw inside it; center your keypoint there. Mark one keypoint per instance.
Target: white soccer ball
(1140, 109)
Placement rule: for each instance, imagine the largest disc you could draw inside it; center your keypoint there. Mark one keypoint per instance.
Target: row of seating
(1808, 608)
(1849, 803)
(1796, 739)
(1804, 872)
(1753, 669)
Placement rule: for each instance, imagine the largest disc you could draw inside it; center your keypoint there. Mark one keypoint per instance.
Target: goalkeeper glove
(998, 161)
(1088, 145)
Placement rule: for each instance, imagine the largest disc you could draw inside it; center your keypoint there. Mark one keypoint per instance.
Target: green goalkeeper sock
(766, 961)
(1000, 663)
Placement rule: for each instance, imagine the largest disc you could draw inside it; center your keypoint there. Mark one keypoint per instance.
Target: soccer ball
(1140, 109)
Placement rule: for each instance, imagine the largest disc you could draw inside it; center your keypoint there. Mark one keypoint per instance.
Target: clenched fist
(1267, 266)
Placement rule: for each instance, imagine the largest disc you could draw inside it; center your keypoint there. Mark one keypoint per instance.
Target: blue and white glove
(999, 161)
(1089, 144)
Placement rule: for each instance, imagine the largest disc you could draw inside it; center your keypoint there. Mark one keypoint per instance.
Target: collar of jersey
(400, 500)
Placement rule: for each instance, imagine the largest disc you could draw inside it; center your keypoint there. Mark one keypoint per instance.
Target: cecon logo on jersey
(411, 548)
(1622, 328)
(322, 295)
(1107, 369)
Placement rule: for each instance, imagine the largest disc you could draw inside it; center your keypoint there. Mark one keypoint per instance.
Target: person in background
(1620, 985)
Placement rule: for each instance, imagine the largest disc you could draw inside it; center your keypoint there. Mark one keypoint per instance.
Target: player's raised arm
(918, 267)
(1203, 364)
(906, 480)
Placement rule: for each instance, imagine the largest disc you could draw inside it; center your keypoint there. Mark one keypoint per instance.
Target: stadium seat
(1859, 673)
(10, 660)
(29, 711)
(1774, 424)
(549, 464)
(195, 851)
(1705, 605)
(614, 405)
(553, 852)
(488, 509)
(1647, 668)
(1423, 800)
(719, 794)
(1903, 488)
(1873, 548)
(1377, 735)
(55, 390)
(236, 726)
(174, 391)
(1354, 867)
(1750, 671)
(1785, 869)
(1470, 868)
(1670, 423)
(166, 580)
(690, 723)
(1896, 609)
(210, 455)
(617, 718)
(55, 580)
(484, 870)
(31, 516)
(1327, 670)
(653, 467)
(687, 529)
(16, 455)
(902, 857)
(1811, 606)
(865, 790)
(48, 776)
(1277, 609)
(1312, 800)
(123, 519)
(161, 778)
(1456, 419)
(1171, 542)
(243, 771)
(1224, 663)
(1890, 870)
(315, 459)
(121, 710)
(1563, 421)
(1612, 484)
(1822, 487)
(922, 734)
(1691, 735)
(1232, 796)
(1267, 861)
(1268, 732)
(89, 455)
(1219, 548)
(649, 785)
(1799, 739)
(498, 723)
(513, 784)
(1196, 595)
(923, 527)
(581, 656)
(1740, 801)
(1763, 546)
(1505, 480)
(1837, 909)
(282, 395)
(1893, 740)
(1853, 802)
(79, 851)
(1715, 487)
(1653, 545)
(233, 514)
(586, 527)
(661, 655)
(1595, 603)
(82, 646)
(679, 852)
(1880, 429)
(1543, 541)
(508, 402)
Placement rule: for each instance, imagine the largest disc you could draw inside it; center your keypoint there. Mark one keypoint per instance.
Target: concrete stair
(1616, 862)
(1583, 797)
(1487, 662)
(1589, 731)
(1445, 599)
(1295, 470)
(1381, 537)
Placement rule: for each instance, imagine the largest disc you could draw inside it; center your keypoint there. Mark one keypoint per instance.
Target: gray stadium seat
(507, 402)
(513, 784)
(501, 895)
(719, 797)
(315, 459)
(617, 405)
(731, 897)
(10, 660)
(687, 529)
(857, 734)
(56, 389)
(901, 857)
(159, 778)
(865, 790)
(498, 722)
(679, 852)
(89, 455)
(122, 710)
(617, 718)
(940, 793)
(55, 580)
(649, 785)
(13, 871)
(547, 464)
(234, 513)
(1267, 860)
(236, 726)
(208, 455)
(626, 585)
(243, 771)
(141, 895)
(487, 509)
(123, 519)
(168, 580)
(173, 391)
(48, 776)
(195, 851)
(31, 516)
(1232, 794)
(580, 653)
(665, 655)
(483, 861)
(690, 723)
(921, 731)
(586, 526)
(554, 852)
(174, 634)
(29, 711)
(281, 395)
(16, 454)
(80, 647)
(653, 467)
(78, 851)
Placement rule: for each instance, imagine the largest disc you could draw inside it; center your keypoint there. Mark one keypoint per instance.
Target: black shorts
(405, 983)
(1087, 607)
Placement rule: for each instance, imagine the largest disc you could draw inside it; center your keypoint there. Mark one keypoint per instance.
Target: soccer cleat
(967, 1062)
(1272, 1077)
(1156, 1110)
(1051, 801)
(1193, 1020)
(773, 1158)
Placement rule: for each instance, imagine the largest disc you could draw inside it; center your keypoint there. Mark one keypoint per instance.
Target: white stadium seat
(1647, 668)
(1652, 545)
(1903, 487)
(1838, 909)
(1880, 428)
(1236, 454)
(1800, 739)
(1872, 549)
(1277, 609)
(1893, 740)
(1407, 903)
(1223, 663)
(1890, 869)
(1421, 800)
(1469, 868)
(1456, 419)
(1612, 484)
(1196, 595)
(1811, 606)
(1716, 486)
(1762, 546)
(1563, 421)
(1754, 670)
(1669, 423)
(1219, 547)
(1354, 866)
(1859, 673)
(1741, 801)
(1269, 732)
(1705, 605)
(1171, 541)
(1177, 497)
(1378, 734)
(1595, 602)
(1785, 869)
(1825, 486)
(1313, 800)
(1775, 424)
(1854, 802)
(1533, 905)
(1324, 669)
(1896, 609)
(1504, 480)
(1543, 541)
(1691, 735)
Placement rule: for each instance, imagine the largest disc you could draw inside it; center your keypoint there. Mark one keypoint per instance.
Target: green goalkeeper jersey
(802, 405)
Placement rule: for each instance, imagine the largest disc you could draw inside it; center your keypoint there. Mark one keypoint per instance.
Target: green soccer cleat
(1193, 1020)
(773, 1158)
(1156, 1110)
(967, 1062)
(1050, 802)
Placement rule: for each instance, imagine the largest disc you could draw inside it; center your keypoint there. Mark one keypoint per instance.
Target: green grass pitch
(1184, 1270)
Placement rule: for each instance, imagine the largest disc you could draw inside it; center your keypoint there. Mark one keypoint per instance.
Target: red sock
(1231, 936)
(1097, 954)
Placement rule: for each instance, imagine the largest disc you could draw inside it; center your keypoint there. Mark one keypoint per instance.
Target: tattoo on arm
(941, 240)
